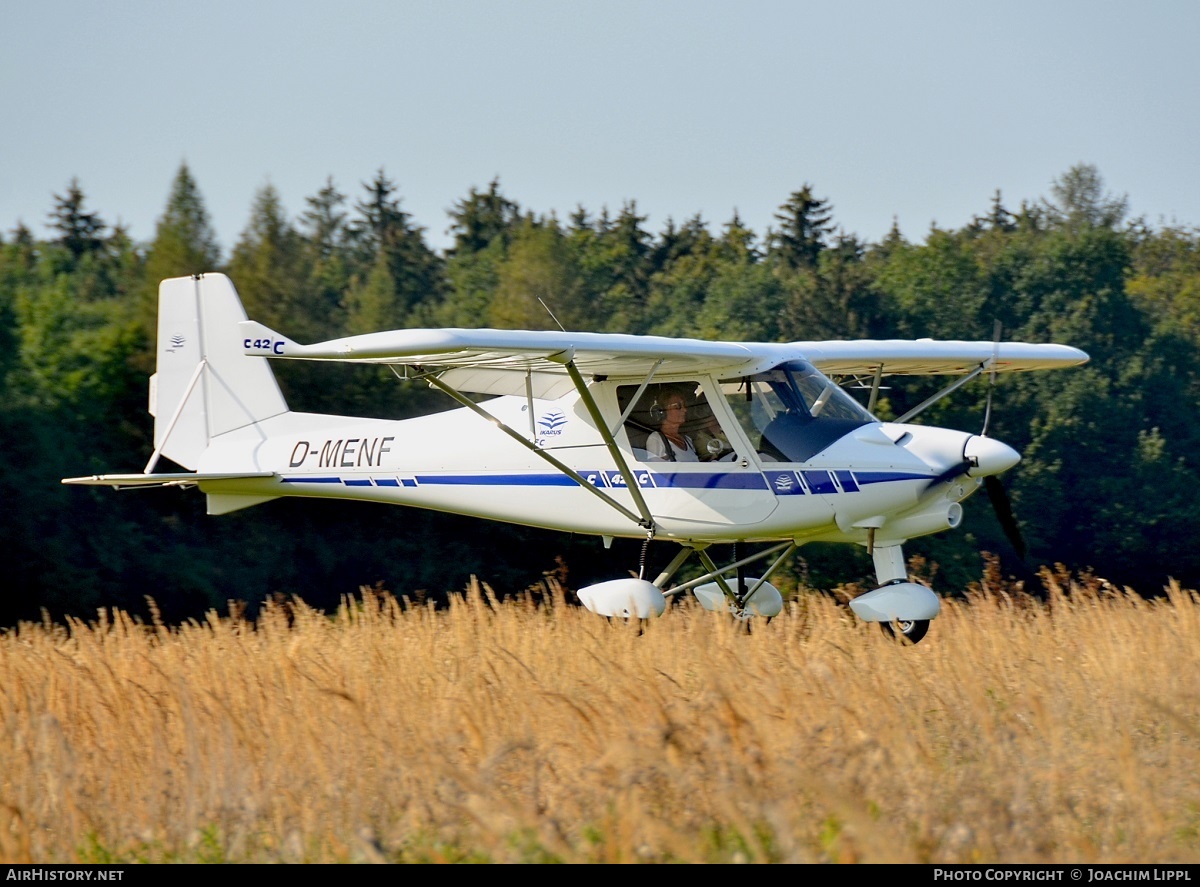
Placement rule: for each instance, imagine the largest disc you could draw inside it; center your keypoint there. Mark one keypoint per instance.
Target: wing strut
(644, 521)
(954, 386)
(637, 395)
(875, 385)
(585, 395)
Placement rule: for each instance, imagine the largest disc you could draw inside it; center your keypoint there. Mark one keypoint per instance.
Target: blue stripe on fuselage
(690, 480)
(886, 477)
(677, 479)
(497, 480)
(818, 482)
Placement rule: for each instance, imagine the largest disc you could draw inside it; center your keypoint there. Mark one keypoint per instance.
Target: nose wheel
(910, 629)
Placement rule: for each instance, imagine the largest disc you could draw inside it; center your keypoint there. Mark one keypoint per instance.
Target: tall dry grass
(1018, 731)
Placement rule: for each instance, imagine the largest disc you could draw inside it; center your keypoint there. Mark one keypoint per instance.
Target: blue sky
(916, 111)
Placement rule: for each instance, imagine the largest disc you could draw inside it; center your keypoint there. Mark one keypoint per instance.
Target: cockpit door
(688, 454)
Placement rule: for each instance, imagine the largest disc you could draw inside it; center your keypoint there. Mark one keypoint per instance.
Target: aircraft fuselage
(871, 478)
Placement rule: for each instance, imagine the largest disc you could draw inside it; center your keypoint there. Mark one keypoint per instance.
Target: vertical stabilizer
(205, 385)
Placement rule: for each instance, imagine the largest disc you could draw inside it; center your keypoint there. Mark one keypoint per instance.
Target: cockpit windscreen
(793, 411)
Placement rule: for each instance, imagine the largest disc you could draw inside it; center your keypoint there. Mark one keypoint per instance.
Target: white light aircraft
(572, 434)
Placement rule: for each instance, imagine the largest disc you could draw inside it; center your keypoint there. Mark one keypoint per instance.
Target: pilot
(669, 443)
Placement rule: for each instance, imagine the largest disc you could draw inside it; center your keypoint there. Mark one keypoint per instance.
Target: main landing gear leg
(889, 565)
(672, 568)
(891, 569)
(756, 596)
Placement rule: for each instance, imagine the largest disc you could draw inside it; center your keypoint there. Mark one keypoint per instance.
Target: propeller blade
(987, 414)
(1004, 513)
(956, 470)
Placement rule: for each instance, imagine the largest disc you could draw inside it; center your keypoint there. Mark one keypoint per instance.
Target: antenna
(551, 313)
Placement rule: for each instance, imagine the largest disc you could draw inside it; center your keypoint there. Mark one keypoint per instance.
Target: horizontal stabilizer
(182, 479)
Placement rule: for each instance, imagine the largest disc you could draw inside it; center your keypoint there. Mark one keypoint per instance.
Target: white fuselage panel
(458, 461)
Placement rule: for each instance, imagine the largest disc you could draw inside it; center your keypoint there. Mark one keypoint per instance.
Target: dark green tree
(268, 267)
(684, 260)
(480, 218)
(371, 304)
(184, 240)
(744, 303)
(324, 223)
(805, 223)
(323, 231)
(676, 242)
(382, 228)
(613, 256)
(538, 285)
(483, 223)
(472, 280)
(272, 270)
(838, 301)
(1078, 200)
(738, 244)
(936, 289)
(998, 218)
(79, 232)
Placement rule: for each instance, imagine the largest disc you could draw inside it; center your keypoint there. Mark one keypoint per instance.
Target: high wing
(933, 357)
(486, 361)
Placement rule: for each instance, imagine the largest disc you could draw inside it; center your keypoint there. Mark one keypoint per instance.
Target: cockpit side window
(674, 422)
(793, 412)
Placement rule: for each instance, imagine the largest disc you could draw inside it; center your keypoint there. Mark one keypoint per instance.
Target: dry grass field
(1018, 731)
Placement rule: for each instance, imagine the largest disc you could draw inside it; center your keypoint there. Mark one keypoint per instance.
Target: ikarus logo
(550, 425)
(786, 484)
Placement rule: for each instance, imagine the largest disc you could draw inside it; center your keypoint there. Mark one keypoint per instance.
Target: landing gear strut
(902, 608)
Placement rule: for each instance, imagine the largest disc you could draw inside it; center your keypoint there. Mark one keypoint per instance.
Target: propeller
(1002, 505)
(996, 493)
(981, 457)
(987, 412)
(988, 457)
(958, 469)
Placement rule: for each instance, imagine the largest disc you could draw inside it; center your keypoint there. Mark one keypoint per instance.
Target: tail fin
(205, 384)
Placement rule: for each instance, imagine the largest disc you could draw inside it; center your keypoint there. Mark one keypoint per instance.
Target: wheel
(911, 630)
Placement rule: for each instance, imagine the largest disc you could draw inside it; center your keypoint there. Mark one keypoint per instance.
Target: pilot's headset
(657, 411)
